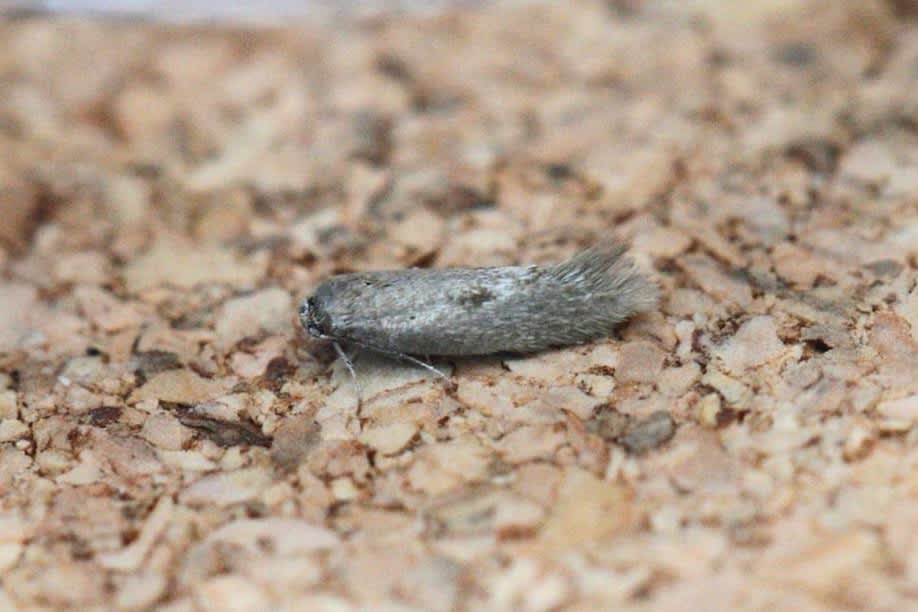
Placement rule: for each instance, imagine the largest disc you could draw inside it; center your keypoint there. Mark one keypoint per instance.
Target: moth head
(314, 319)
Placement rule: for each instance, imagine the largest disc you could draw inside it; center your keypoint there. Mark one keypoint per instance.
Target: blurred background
(263, 11)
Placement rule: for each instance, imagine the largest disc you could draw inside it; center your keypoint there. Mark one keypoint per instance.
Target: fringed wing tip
(598, 258)
(644, 293)
(602, 254)
(606, 267)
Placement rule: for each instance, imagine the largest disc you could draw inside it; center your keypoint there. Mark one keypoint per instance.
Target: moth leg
(350, 368)
(423, 364)
(404, 356)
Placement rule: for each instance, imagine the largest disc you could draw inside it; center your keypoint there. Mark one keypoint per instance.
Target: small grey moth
(480, 311)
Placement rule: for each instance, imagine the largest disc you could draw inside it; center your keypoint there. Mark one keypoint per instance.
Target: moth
(479, 311)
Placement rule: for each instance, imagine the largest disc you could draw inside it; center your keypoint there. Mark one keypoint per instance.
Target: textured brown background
(170, 438)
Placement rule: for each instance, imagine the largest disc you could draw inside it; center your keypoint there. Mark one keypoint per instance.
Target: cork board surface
(171, 439)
